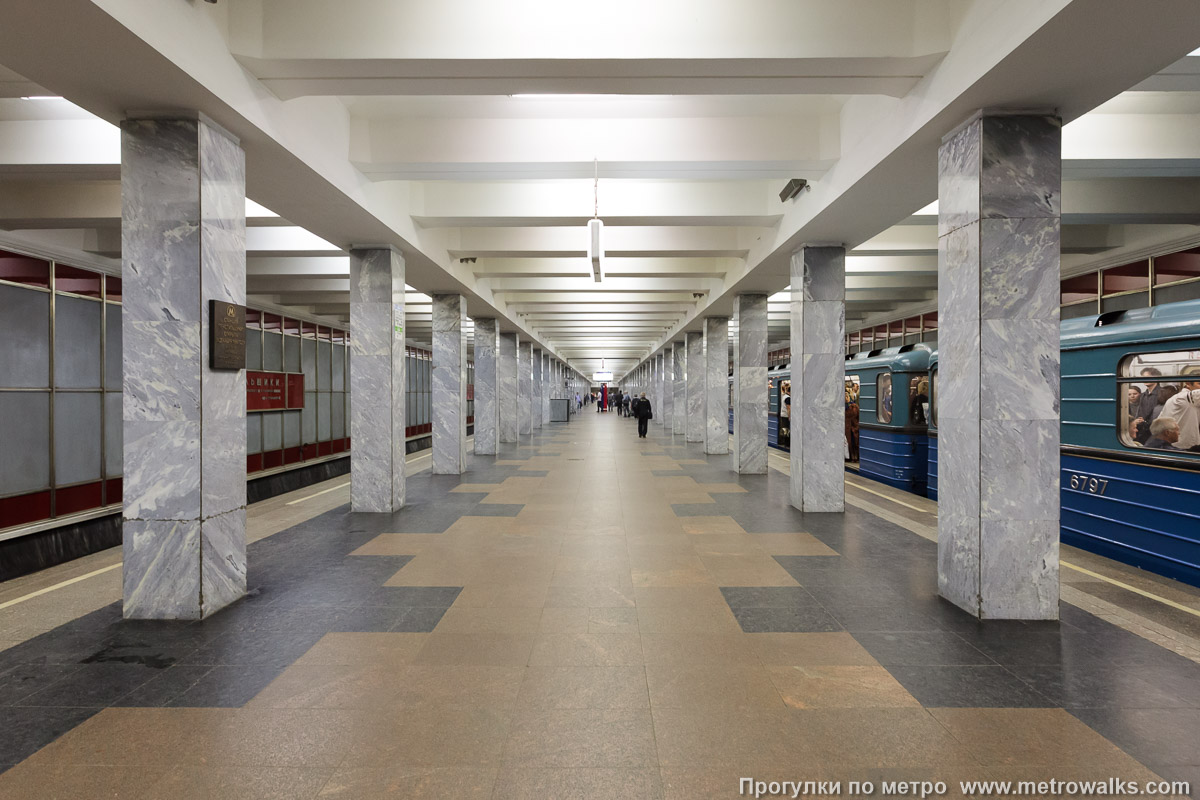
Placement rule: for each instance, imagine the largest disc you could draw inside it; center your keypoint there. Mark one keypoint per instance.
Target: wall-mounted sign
(602, 377)
(274, 391)
(227, 335)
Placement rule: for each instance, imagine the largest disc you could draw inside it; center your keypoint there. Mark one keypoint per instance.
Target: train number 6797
(1086, 483)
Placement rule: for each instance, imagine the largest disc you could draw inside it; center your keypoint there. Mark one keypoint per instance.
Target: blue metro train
(1120, 498)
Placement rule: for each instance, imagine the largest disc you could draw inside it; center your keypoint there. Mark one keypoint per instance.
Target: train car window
(1159, 401)
(933, 399)
(883, 394)
(918, 400)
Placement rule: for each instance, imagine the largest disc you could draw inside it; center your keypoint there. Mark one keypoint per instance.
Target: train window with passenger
(1159, 401)
(918, 400)
(883, 395)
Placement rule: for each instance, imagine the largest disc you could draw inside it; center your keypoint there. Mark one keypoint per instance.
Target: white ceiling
(468, 134)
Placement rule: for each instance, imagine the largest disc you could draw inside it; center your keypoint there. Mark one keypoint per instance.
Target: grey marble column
(377, 380)
(716, 385)
(668, 389)
(547, 387)
(679, 400)
(183, 243)
(487, 417)
(999, 180)
(506, 381)
(660, 411)
(694, 388)
(535, 402)
(750, 385)
(525, 388)
(818, 407)
(449, 384)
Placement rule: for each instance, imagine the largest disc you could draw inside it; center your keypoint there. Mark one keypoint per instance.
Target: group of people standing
(1164, 416)
(625, 404)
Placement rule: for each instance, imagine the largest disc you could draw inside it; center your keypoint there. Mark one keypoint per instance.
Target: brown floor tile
(434, 736)
(411, 783)
(679, 596)
(840, 687)
(708, 735)
(586, 650)
(602, 783)
(810, 649)
(329, 686)
(584, 687)
(490, 620)
(573, 619)
(581, 738)
(706, 618)
(244, 783)
(1042, 736)
(613, 620)
(726, 544)
(502, 595)
(727, 687)
(881, 737)
(165, 737)
(712, 525)
(752, 570)
(589, 597)
(476, 649)
(366, 649)
(617, 578)
(698, 649)
(43, 779)
(447, 686)
(792, 544)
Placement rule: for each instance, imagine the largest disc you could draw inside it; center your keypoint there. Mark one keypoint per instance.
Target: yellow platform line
(318, 494)
(56, 586)
(1133, 589)
(887, 497)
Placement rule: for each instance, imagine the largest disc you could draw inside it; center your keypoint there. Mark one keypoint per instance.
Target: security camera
(794, 187)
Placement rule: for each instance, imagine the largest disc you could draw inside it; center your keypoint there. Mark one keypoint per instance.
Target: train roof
(1169, 321)
(909, 358)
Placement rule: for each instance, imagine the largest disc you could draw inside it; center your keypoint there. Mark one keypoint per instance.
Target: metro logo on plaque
(227, 335)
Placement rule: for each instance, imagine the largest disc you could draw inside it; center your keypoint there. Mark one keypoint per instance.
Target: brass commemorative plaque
(227, 329)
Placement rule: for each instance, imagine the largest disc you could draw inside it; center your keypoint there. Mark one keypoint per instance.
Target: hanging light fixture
(596, 230)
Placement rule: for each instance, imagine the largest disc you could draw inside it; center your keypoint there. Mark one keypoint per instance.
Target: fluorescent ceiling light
(42, 97)
(553, 96)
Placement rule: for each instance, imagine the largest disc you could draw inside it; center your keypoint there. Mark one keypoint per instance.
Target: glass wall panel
(309, 417)
(254, 356)
(253, 433)
(25, 334)
(113, 370)
(337, 419)
(1174, 267)
(76, 437)
(323, 357)
(272, 425)
(308, 363)
(113, 434)
(339, 368)
(322, 416)
(76, 343)
(25, 442)
(291, 354)
(291, 428)
(273, 351)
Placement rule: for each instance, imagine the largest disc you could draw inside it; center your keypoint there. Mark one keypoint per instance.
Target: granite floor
(586, 615)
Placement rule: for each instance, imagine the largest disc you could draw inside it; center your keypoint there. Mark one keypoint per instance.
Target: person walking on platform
(617, 401)
(628, 401)
(644, 414)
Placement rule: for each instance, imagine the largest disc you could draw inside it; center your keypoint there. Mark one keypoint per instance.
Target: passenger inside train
(1162, 409)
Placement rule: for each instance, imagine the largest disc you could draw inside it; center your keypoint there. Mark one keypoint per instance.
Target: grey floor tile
(968, 687)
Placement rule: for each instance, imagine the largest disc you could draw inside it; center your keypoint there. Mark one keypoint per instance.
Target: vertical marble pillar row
(487, 417)
(716, 385)
(525, 388)
(661, 412)
(183, 243)
(818, 408)
(547, 387)
(999, 199)
(506, 383)
(694, 387)
(679, 399)
(377, 380)
(535, 404)
(449, 384)
(750, 385)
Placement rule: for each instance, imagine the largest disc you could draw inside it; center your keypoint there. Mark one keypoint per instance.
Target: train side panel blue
(932, 465)
(897, 459)
(1140, 514)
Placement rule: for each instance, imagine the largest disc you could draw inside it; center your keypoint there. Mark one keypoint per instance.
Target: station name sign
(602, 377)
(274, 391)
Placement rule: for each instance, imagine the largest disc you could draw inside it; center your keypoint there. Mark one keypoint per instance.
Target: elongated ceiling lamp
(596, 231)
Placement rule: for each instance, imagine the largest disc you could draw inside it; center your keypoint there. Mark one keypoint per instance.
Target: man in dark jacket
(643, 412)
